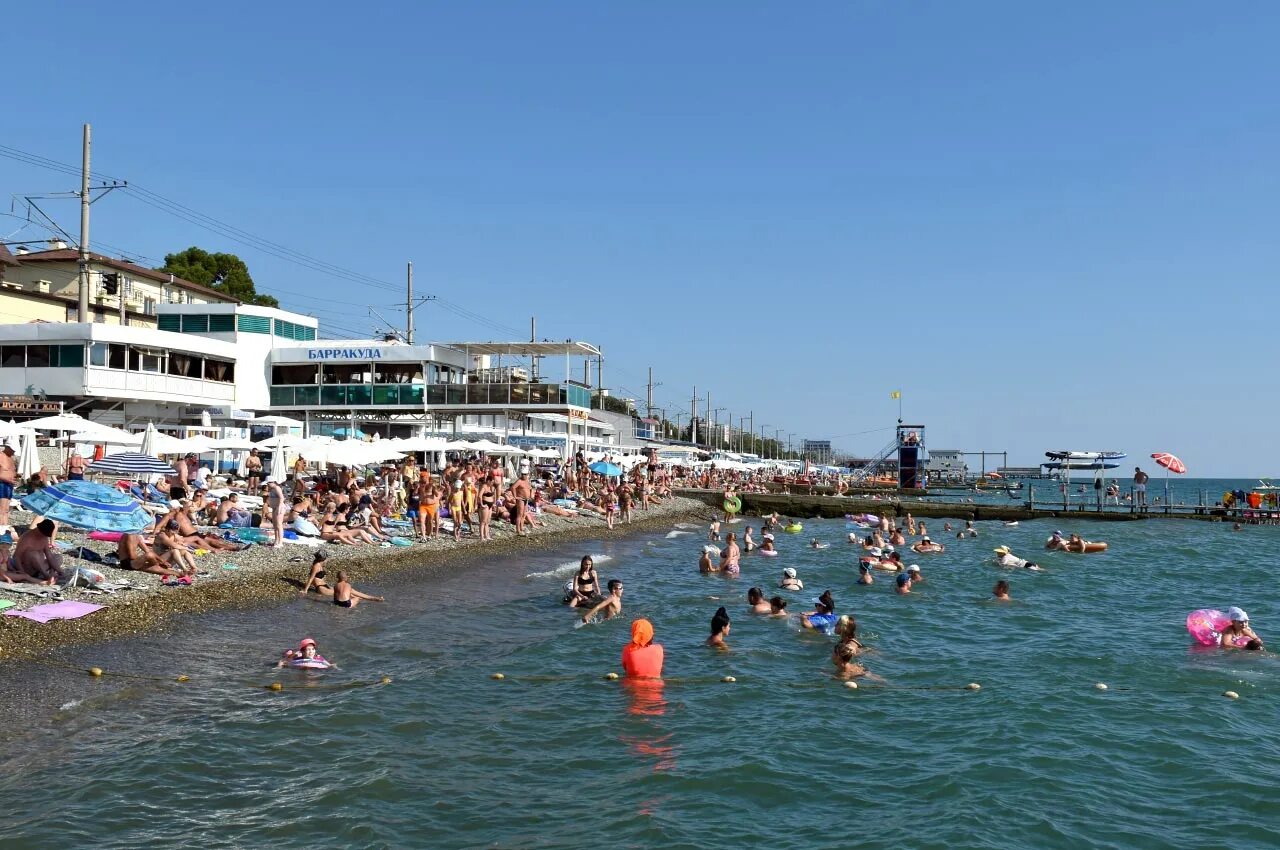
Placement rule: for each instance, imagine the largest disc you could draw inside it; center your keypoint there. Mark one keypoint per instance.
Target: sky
(1049, 226)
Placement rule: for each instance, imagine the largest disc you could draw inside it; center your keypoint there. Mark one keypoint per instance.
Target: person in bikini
(488, 498)
(316, 577)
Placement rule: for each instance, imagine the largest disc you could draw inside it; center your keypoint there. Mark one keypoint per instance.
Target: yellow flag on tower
(896, 394)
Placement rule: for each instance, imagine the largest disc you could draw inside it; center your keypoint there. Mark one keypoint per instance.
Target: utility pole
(408, 307)
(649, 396)
(711, 434)
(693, 418)
(600, 377)
(84, 227)
(763, 446)
(533, 337)
(751, 428)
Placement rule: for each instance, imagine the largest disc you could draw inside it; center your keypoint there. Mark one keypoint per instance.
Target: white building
(224, 363)
(946, 465)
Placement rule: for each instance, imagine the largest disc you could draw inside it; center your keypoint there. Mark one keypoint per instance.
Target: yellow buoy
(1102, 686)
(95, 671)
(611, 676)
(184, 678)
(498, 676)
(1231, 695)
(853, 686)
(276, 686)
(728, 679)
(973, 686)
(386, 680)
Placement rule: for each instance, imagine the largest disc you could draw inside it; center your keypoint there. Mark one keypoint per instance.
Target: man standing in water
(1140, 486)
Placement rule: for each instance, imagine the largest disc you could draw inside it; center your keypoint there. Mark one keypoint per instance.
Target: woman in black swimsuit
(488, 498)
(316, 578)
(586, 585)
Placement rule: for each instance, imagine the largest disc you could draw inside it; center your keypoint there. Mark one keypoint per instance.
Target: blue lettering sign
(344, 354)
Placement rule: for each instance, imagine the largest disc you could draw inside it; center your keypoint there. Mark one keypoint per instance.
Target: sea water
(555, 755)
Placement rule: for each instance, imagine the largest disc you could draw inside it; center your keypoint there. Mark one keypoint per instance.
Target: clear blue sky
(1051, 226)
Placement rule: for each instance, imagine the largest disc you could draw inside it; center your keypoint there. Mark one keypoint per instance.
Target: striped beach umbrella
(83, 504)
(132, 463)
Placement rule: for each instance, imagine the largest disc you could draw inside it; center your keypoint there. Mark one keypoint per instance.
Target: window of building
(397, 373)
(219, 370)
(299, 373)
(185, 365)
(116, 356)
(222, 323)
(67, 356)
(253, 324)
(347, 373)
(98, 354)
(195, 324)
(169, 322)
(37, 355)
(13, 356)
(145, 359)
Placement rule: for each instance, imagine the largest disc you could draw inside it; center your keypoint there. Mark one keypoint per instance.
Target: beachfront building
(44, 286)
(818, 451)
(212, 367)
(947, 465)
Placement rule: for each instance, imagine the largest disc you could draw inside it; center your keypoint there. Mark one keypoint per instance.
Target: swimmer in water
(946, 526)
(610, 606)
(729, 558)
(585, 590)
(1056, 542)
(777, 607)
(847, 632)
(767, 544)
(1238, 635)
(1006, 558)
(790, 581)
(864, 573)
(914, 572)
(705, 565)
(1000, 593)
(904, 583)
(306, 651)
(755, 599)
(748, 544)
(823, 616)
(715, 532)
(846, 667)
(897, 539)
(719, 629)
(925, 546)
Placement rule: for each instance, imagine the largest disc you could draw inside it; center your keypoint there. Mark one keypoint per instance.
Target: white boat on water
(1072, 457)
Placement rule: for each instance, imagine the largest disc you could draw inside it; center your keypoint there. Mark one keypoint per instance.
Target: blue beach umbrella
(609, 470)
(132, 463)
(83, 504)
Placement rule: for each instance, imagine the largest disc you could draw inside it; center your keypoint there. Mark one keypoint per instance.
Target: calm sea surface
(554, 756)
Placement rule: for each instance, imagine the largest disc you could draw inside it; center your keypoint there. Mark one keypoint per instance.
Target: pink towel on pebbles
(65, 610)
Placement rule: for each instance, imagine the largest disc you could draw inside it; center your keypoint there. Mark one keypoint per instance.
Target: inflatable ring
(769, 553)
(308, 664)
(1206, 625)
(794, 528)
(732, 505)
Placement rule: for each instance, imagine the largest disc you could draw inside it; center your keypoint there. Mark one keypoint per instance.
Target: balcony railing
(430, 395)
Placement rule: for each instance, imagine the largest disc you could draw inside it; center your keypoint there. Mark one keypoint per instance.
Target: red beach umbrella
(1171, 463)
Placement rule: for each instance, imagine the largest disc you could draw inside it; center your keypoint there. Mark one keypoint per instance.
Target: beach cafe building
(214, 368)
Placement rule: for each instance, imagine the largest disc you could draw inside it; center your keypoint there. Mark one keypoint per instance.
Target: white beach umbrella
(279, 467)
(28, 457)
(12, 429)
(232, 444)
(62, 422)
(279, 441)
(108, 437)
(148, 445)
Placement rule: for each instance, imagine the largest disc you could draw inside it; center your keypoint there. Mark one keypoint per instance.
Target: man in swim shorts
(1140, 479)
(8, 479)
(610, 606)
(36, 555)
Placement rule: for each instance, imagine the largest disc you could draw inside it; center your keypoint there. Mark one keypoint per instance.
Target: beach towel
(65, 610)
(6, 603)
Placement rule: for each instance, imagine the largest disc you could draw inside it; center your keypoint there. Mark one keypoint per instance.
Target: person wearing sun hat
(1238, 635)
(790, 581)
(1006, 558)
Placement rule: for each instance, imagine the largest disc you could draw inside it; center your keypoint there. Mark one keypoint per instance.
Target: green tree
(223, 272)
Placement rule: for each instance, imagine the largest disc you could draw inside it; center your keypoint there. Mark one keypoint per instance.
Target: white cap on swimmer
(790, 572)
(1237, 615)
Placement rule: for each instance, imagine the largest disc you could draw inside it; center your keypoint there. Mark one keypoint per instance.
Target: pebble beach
(261, 575)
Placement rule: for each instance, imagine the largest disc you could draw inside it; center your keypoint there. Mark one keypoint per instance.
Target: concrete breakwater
(796, 505)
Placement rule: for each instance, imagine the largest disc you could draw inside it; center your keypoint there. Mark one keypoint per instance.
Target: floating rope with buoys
(182, 678)
(851, 684)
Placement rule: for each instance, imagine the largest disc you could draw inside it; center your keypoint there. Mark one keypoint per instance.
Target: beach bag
(86, 576)
(305, 527)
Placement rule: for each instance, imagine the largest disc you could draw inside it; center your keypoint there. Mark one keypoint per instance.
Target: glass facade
(349, 386)
(41, 356)
(199, 323)
(135, 358)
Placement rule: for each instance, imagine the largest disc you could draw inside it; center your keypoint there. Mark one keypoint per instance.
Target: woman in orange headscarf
(642, 657)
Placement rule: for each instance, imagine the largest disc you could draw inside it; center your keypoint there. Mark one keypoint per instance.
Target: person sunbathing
(36, 555)
(134, 554)
(170, 546)
(191, 535)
